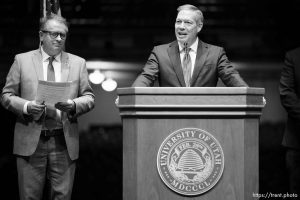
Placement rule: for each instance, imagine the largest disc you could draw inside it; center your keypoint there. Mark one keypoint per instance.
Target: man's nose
(181, 25)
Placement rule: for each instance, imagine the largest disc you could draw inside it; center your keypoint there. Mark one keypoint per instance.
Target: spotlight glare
(109, 85)
(96, 77)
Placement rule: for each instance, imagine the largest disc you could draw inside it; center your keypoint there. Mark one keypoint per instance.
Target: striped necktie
(187, 65)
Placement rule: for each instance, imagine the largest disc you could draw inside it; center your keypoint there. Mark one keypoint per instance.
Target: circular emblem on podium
(190, 161)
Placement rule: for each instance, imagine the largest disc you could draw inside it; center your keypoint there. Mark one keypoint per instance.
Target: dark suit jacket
(21, 86)
(289, 89)
(211, 63)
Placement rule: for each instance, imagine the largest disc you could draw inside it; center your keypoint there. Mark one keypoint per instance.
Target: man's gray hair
(58, 18)
(200, 18)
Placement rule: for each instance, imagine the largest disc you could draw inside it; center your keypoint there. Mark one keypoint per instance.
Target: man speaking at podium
(188, 61)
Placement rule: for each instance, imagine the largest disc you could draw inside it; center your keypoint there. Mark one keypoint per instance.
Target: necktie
(50, 122)
(50, 72)
(187, 66)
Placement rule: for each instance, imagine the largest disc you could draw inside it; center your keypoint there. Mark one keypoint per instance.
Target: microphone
(185, 47)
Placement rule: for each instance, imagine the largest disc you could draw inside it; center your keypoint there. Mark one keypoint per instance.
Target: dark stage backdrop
(255, 34)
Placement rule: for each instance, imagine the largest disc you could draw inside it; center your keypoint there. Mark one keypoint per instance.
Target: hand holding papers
(35, 109)
(53, 92)
(67, 107)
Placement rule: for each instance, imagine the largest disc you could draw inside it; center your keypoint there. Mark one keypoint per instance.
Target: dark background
(255, 34)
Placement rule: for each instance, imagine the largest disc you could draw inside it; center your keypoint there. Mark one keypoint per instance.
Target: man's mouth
(181, 34)
(56, 44)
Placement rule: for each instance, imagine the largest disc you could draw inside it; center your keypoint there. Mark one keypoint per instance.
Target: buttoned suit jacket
(211, 63)
(21, 86)
(289, 89)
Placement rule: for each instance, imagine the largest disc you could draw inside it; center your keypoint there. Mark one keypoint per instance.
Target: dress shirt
(56, 65)
(193, 53)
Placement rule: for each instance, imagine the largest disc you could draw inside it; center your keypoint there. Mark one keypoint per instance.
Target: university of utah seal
(190, 161)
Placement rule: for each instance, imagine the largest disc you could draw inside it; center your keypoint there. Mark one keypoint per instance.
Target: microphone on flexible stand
(185, 45)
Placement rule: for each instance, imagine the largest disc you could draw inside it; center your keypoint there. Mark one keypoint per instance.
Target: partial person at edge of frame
(289, 90)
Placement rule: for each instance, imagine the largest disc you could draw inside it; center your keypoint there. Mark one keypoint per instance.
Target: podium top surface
(191, 101)
(191, 90)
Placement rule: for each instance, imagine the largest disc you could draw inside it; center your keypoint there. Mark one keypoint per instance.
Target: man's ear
(199, 27)
(41, 34)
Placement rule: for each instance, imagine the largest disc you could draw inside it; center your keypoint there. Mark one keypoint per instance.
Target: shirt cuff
(25, 108)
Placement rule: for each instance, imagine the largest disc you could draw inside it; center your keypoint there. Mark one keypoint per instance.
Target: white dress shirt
(57, 71)
(56, 65)
(193, 54)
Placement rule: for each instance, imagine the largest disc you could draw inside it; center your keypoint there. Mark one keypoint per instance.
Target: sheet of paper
(52, 92)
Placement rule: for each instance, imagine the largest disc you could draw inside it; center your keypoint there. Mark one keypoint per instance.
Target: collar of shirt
(192, 53)
(45, 56)
(56, 65)
(193, 47)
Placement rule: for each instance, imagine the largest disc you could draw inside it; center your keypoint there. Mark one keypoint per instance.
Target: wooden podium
(150, 116)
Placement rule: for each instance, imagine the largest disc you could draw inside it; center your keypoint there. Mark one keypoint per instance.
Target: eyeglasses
(54, 35)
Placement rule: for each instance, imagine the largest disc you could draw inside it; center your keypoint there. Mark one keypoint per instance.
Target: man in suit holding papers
(46, 139)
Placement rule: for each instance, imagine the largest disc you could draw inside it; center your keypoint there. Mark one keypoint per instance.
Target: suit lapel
(174, 55)
(38, 64)
(202, 52)
(65, 68)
